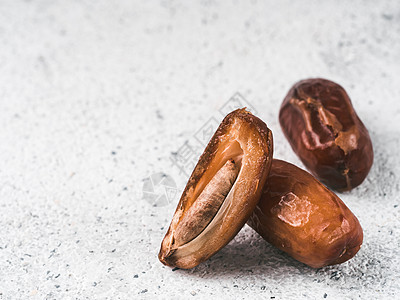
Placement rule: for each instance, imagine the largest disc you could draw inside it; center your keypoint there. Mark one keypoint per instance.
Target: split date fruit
(222, 191)
(300, 216)
(318, 119)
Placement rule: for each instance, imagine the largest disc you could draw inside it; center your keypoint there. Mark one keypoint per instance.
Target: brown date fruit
(222, 191)
(318, 119)
(300, 216)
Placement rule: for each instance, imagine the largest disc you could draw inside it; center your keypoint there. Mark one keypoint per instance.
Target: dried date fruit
(300, 216)
(222, 191)
(318, 119)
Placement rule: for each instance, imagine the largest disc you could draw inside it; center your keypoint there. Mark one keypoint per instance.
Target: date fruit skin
(217, 200)
(301, 217)
(321, 125)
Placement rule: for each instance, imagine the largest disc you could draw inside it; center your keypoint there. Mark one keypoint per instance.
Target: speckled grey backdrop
(96, 96)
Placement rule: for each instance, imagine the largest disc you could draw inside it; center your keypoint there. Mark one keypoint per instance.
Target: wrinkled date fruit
(319, 121)
(300, 216)
(222, 191)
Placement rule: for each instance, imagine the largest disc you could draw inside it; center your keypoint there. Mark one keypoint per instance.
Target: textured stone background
(96, 96)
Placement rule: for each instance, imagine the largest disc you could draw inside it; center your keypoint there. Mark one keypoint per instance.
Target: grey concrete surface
(97, 97)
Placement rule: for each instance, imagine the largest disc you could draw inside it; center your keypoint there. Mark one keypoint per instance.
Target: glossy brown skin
(300, 216)
(319, 121)
(245, 139)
